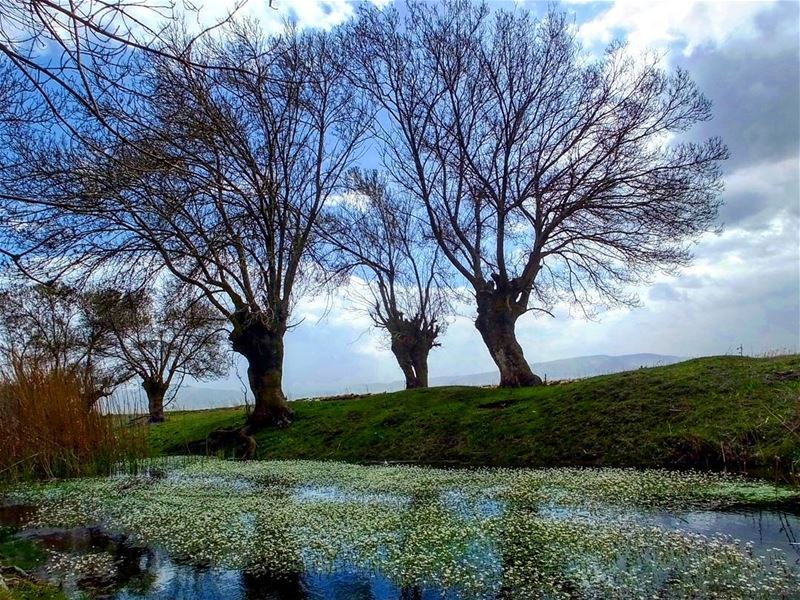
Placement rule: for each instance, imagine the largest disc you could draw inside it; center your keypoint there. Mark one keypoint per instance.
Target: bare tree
(68, 67)
(48, 327)
(384, 243)
(160, 337)
(546, 174)
(19, 106)
(75, 54)
(219, 179)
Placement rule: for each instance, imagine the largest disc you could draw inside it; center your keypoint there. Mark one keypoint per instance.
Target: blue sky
(744, 286)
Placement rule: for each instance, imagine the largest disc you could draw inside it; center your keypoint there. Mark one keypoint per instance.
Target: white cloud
(308, 13)
(341, 313)
(756, 194)
(349, 199)
(688, 23)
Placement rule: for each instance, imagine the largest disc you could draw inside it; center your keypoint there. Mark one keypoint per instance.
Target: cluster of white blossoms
(73, 566)
(480, 533)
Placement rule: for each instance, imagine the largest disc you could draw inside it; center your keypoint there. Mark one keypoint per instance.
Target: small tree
(162, 336)
(545, 174)
(381, 239)
(48, 326)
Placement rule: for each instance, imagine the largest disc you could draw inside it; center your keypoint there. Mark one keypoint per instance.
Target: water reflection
(142, 573)
(130, 570)
(764, 528)
(266, 586)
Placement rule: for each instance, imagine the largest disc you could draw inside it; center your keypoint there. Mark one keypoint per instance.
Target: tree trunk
(403, 348)
(419, 359)
(91, 396)
(402, 352)
(497, 316)
(155, 390)
(263, 349)
(411, 347)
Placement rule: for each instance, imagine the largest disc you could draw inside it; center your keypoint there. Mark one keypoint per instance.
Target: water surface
(330, 531)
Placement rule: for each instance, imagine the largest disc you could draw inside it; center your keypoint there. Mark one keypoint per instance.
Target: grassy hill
(709, 413)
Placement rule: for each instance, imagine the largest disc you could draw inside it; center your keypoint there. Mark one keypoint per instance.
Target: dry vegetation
(49, 431)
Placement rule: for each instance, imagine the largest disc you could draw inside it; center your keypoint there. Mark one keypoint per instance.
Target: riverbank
(19, 557)
(715, 413)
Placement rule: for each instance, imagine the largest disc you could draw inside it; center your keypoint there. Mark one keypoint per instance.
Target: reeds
(48, 430)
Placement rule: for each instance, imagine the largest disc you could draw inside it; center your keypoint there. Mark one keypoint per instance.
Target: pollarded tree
(49, 327)
(383, 242)
(160, 337)
(229, 154)
(546, 174)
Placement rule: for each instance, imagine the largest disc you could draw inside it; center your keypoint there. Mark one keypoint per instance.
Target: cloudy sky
(744, 286)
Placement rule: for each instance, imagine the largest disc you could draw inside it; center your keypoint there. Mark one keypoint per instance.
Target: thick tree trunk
(263, 349)
(92, 396)
(419, 359)
(155, 390)
(497, 316)
(411, 349)
(402, 352)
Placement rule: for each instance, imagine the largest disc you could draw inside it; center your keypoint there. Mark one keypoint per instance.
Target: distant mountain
(195, 397)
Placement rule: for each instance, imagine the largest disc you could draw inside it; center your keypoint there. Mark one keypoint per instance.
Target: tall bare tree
(228, 158)
(162, 337)
(385, 244)
(546, 174)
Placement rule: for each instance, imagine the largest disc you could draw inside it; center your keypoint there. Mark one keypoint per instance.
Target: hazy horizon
(208, 395)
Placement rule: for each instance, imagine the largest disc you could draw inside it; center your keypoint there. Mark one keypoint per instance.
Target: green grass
(27, 590)
(709, 413)
(21, 553)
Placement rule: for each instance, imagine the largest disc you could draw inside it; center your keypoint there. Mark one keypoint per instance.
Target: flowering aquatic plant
(479, 533)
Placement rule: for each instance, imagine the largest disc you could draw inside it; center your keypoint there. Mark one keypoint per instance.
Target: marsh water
(106, 560)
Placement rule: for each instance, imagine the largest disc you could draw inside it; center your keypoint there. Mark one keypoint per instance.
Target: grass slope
(716, 412)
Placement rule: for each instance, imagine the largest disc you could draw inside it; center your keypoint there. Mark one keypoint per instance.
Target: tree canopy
(529, 169)
(546, 174)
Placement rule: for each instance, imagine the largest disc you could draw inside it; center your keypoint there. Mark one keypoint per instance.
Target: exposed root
(240, 438)
(278, 416)
(10, 574)
(784, 376)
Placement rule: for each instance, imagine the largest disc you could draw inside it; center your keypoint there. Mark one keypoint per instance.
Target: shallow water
(115, 564)
(142, 572)
(764, 528)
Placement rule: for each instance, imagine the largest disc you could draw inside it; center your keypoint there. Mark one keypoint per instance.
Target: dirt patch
(784, 376)
(499, 403)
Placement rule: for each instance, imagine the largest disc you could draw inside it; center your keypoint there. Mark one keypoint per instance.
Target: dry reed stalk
(47, 430)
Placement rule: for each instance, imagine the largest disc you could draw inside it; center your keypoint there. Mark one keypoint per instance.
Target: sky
(743, 288)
